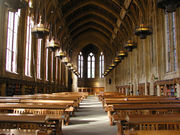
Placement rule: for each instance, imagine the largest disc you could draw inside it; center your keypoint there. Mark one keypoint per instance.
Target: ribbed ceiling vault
(114, 20)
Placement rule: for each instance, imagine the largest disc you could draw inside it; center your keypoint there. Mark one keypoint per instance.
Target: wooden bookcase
(168, 90)
(13, 89)
(29, 89)
(168, 87)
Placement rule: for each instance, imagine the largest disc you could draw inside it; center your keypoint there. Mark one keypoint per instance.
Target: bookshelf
(168, 90)
(13, 89)
(29, 89)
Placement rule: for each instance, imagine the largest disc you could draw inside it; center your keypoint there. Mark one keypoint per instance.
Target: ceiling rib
(94, 21)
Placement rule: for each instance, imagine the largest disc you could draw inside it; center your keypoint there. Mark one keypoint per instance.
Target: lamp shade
(168, 5)
(117, 60)
(69, 65)
(112, 65)
(53, 44)
(122, 54)
(14, 5)
(130, 45)
(65, 60)
(142, 31)
(40, 30)
(60, 54)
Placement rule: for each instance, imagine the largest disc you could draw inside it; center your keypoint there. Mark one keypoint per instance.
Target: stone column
(178, 90)
(151, 88)
(158, 90)
(146, 89)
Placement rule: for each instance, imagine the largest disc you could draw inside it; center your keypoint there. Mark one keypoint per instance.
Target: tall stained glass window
(80, 65)
(39, 58)
(91, 65)
(171, 58)
(28, 47)
(11, 50)
(101, 65)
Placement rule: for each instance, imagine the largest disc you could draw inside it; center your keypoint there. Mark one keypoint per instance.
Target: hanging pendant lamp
(14, 5)
(168, 5)
(60, 54)
(72, 68)
(113, 65)
(110, 68)
(65, 60)
(122, 54)
(40, 30)
(69, 65)
(130, 45)
(53, 44)
(117, 60)
(143, 31)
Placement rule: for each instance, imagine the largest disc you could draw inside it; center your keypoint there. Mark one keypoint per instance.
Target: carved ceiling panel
(113, 19)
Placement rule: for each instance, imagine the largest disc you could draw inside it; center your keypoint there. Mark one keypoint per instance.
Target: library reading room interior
(90, 67)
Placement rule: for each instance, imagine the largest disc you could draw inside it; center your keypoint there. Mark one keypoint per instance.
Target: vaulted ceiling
(109, 20)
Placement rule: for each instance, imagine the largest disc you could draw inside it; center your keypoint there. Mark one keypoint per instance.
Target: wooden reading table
(165, 124)
(30, 121)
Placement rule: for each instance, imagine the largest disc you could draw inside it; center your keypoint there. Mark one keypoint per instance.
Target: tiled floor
(91, 119)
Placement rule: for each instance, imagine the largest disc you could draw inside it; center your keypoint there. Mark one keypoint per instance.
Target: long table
(31, 122)
(154, 124)
(124, 109)
(62, 111)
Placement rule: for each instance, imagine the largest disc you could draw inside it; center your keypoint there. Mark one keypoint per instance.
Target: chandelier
(122, 54)
(65, 60)
(60, 54)
(130, 45)
(143, 31)
(168, 5)
(53, 44)
(40, 30)
(117, 60)
(14, 5)
(112, 65)
(69, 65)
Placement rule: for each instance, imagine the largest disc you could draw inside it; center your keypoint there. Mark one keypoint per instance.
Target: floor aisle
(91, 119)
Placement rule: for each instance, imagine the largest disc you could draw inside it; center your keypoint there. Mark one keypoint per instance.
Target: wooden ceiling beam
(92, 13)
(115, 14)
(90, 27)
(94, 21)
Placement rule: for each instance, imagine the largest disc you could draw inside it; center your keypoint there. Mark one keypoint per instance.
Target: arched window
(91, 65)
(171, 58)
(101, 65)
(80, 65)
(28, 47)
(12, 38)
(39, 58)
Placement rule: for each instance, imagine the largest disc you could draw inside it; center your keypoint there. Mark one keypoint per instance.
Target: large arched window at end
(80, 65)
(101, 65)
(91, 65)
